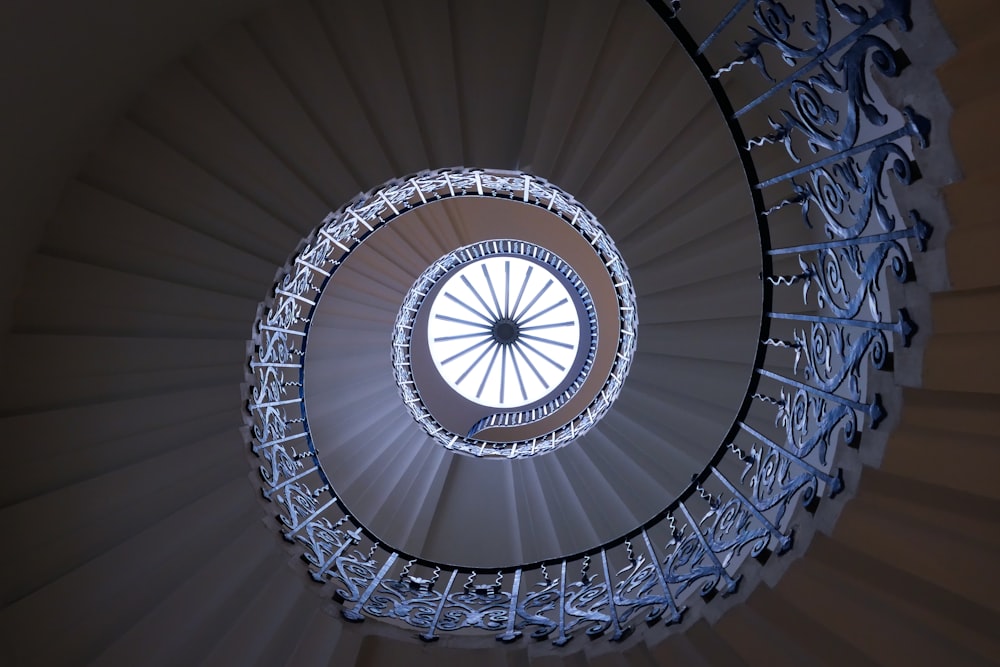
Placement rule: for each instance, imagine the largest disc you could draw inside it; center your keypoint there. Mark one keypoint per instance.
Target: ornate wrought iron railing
(815, 123)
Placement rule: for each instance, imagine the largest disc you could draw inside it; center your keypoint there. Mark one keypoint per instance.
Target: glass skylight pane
(504, 331)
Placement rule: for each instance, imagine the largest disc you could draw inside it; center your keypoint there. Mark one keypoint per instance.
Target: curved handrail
(809, 391)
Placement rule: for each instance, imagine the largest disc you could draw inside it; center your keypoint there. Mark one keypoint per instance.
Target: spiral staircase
(165, 161)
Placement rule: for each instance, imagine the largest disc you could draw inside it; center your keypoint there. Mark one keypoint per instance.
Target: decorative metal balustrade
(832, 147)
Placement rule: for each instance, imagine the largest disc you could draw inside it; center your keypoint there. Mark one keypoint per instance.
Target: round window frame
(410, 343)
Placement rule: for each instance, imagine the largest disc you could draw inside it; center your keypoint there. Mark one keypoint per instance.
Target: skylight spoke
(448, 318)
(517, 302)
(489, 367)
(479, 297)
(517, 372)
(466, 350)
(477, 334)
(493, 292)
(537, 297)
(503, 369)
(517, 348)
(468, 307)
(474, 363)
(506, 290)
(547, 340)
(542, 312)
(542, 355)
(547, 326)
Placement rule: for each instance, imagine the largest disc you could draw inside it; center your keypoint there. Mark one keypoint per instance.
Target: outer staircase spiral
(134, 535)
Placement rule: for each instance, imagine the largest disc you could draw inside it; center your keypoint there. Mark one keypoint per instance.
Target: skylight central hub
(506, 331)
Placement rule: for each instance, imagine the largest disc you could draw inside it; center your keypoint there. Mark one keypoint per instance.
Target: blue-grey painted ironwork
(810, 391)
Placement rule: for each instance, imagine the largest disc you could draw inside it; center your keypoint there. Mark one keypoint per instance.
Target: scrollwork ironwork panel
(816, 66)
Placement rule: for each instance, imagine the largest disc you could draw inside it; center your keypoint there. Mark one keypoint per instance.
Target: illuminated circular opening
(504, 331)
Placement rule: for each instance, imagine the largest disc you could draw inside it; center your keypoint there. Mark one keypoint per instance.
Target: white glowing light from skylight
(504, 331)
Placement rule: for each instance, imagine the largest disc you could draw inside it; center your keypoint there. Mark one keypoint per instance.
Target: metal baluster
(784, 540)
(919, 232)
(836, 483)
(272, 443)
(619, 633)
(354, 537)
(903, 326)
(723, 24)
(272, 404)
(874, 410)
(430, 636)
(510, 634)
(268, 493)
(731, 583)
(886, 14)
(676, 613)
(916, 126)
(563, 638)
(288, 535)
(354, 613)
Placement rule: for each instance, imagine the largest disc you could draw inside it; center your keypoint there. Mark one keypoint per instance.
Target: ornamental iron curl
(810, 388)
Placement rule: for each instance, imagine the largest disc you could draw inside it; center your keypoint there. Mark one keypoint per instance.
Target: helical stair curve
(752, 366)
(471, 563)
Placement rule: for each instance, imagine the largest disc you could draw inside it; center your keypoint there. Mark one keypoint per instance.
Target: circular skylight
(497, 334)
(504, 331)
